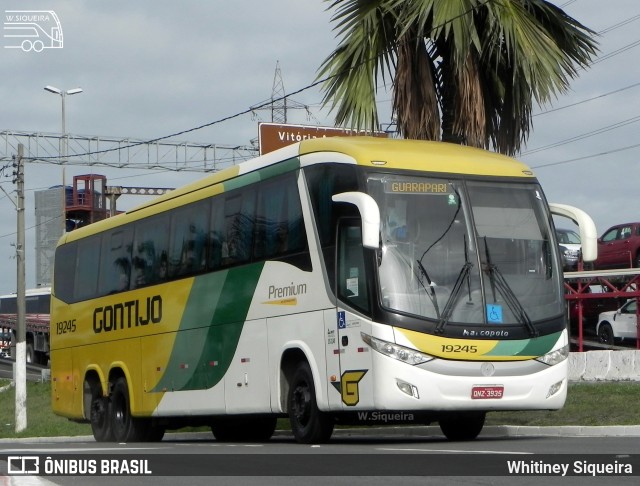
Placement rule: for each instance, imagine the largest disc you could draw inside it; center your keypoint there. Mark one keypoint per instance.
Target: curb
(498, 431)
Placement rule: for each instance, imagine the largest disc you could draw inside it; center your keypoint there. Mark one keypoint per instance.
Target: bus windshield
(460, 251)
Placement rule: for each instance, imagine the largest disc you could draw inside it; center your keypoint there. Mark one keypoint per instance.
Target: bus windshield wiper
(498, 281)
(463, 275)
(430, 291)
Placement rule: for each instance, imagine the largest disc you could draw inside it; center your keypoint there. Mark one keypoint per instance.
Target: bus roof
(419, 155)
(384, 153)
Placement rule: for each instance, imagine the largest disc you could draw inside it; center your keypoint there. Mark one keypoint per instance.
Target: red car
(619, 247)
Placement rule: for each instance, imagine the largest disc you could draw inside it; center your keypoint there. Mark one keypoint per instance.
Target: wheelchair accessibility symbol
(342, 320)
(494, 313)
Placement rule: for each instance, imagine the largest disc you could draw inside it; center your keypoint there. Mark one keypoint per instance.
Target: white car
(618, 325)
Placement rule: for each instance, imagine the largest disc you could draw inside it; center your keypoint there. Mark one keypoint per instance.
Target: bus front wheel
(462, 426)
(308, 424)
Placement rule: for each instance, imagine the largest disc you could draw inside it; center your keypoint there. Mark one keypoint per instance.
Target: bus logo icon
(32, 30)
(23, 465)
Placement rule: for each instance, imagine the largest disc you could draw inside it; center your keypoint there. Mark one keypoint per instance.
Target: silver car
(570, 248)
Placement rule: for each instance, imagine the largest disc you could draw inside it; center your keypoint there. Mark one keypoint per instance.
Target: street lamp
(64, 141)
(63, 94)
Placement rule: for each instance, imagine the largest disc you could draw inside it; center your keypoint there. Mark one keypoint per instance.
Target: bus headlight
(406, 355)
(555, 357)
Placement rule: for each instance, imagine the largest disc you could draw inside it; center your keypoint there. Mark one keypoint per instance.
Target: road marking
(79, 449)
(448, 451)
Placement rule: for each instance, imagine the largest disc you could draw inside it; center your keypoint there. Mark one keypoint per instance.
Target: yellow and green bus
(334, 281)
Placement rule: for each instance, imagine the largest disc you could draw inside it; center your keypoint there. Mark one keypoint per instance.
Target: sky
(149, 69)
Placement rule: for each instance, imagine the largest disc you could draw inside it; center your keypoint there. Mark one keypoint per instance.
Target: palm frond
(367, 50)
(470, 69)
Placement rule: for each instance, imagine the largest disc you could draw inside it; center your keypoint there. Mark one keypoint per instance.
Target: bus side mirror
(370, 214)
(588, 232)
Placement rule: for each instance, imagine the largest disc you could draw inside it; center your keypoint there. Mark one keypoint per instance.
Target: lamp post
(63, 94)
(64, 141)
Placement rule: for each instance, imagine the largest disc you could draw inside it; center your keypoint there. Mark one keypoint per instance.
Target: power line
(320, 81)
(601, 130)
(619, 24)
(584, 135)
(587, 100)
(616, 52)
(608, 152)
(255, 107)
(189, 130)
(33, 227)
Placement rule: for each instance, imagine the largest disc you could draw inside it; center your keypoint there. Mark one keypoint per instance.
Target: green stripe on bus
(541, 346)
(527, 347)
(210, 329)
(262, 174)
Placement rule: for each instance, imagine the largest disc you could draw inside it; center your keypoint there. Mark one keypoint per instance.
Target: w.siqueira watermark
(32, 30)
(385, 417)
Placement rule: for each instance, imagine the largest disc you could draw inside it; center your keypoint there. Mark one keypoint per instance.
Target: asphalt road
(371, 457)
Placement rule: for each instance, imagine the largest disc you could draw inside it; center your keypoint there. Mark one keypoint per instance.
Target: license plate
(485, 392)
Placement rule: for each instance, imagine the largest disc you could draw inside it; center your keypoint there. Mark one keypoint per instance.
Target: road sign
(273, 136)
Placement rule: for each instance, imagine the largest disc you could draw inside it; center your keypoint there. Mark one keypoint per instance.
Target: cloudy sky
(153, 68)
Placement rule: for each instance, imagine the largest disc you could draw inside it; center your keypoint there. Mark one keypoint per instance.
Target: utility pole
(21, 335)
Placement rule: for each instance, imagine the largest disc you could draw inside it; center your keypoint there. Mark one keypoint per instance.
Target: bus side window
(324, 181)
(65, 274)
(248, 218)
(190, 227)
(239, 222)
(216, 235)
(115, 267)
(151, 242)
(296, 237)
(272, 232)
(279, 224)
(258, 223)
(232, 225)
(86, 281)
(352, 279)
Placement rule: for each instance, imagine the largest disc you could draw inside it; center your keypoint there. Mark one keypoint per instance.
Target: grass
(41, 421)
(587, 404)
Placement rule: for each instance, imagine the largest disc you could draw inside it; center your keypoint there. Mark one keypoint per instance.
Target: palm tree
(461, 70)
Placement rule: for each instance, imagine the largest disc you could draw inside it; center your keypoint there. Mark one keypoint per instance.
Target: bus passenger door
(352, 287)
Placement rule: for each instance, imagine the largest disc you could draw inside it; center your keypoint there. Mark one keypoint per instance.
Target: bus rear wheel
(462, 426)
(308, 424)
(125, 427)
(99, 415)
